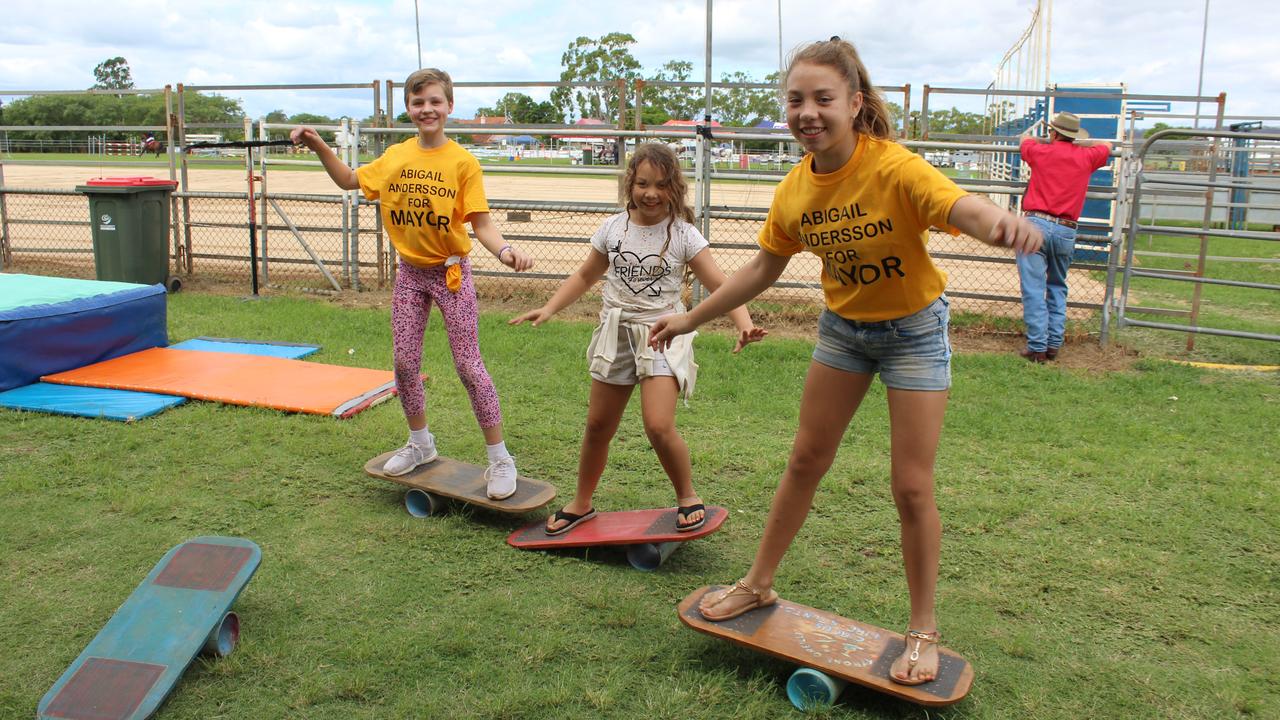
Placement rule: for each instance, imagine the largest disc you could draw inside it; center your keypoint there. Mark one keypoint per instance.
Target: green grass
(1109, 552)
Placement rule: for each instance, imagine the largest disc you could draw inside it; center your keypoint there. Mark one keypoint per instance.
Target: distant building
(486, 120)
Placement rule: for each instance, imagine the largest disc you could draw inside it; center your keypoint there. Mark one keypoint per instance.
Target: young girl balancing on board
(429, 188)
(864, 205)
(642, 252)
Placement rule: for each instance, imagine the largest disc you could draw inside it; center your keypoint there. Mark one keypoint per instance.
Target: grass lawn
(1111, 545)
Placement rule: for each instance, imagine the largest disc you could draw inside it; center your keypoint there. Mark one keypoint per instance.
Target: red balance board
(181, 608)
(832, 651)
(650, 536)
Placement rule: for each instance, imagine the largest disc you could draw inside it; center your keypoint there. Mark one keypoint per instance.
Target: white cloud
(1152, 45)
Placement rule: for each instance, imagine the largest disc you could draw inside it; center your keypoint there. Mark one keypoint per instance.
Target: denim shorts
(910, 353)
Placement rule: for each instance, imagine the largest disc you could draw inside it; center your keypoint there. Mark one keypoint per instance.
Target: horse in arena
(150, 144)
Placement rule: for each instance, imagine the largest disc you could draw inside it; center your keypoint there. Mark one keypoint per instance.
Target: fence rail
(334, 242)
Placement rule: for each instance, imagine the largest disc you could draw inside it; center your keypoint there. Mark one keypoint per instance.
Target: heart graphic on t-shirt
(640, 273)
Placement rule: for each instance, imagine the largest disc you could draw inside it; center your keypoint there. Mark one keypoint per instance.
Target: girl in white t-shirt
(643, 253)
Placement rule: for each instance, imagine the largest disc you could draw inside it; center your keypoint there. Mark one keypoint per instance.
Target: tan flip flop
(759, 599)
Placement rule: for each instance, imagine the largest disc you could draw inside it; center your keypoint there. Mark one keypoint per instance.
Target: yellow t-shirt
(869, 223)
(427, 197)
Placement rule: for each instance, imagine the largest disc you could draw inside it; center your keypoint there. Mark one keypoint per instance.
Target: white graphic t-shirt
(639, 279)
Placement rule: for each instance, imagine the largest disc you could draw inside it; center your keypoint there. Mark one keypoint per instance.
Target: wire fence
(305, 244)
(329, 242)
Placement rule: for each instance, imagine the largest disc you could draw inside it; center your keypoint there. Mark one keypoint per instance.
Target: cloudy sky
(1151, 45)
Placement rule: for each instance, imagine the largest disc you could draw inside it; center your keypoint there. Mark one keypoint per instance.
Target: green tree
(212, 108)
(523, 110)
(314, 119)
(650, 115)
(112, 74)
(995, 112)
(681, 103)
(956, 122)
(99, 109)
(745, 106)
(601, 62)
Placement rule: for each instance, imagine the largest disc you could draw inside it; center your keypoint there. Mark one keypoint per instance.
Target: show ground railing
(334, 241)
(1240, 195)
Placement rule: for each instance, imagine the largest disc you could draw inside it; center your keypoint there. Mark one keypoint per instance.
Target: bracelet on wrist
(503, 249)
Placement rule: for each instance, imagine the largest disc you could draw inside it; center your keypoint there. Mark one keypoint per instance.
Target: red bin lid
(130, 182)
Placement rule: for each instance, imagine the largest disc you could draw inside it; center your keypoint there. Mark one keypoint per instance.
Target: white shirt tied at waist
(604, 345)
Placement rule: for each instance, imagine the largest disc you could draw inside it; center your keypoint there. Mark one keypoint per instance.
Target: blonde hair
(426, 76)
(840, 55)
(667, 165)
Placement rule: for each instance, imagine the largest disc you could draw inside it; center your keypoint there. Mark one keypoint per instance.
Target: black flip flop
(685, 512)
(574, 520)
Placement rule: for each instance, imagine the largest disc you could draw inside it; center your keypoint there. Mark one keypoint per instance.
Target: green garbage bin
(587, 156)
(129, 217)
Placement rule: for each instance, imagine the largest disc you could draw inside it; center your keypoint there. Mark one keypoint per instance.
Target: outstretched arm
(708, 272)
(755, 277)
(491, 238)
(342, 176)
(570, 290)
(977, 216)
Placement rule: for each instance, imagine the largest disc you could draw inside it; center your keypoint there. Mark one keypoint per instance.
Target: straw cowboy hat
(1068, 125)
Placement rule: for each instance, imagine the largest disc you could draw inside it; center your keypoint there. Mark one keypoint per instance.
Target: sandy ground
(219, 235)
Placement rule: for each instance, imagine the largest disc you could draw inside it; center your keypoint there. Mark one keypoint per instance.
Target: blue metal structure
(1240, 169)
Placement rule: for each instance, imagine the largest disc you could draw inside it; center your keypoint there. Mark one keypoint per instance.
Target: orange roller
(258, 381)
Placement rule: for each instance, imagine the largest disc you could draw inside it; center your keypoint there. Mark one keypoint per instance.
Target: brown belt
(1051, 218)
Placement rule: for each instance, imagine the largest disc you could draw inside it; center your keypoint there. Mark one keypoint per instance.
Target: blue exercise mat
(128, 405)
(50, 325)
(290, 351)
(123, 405)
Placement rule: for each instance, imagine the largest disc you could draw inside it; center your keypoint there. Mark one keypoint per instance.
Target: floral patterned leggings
(415, 288)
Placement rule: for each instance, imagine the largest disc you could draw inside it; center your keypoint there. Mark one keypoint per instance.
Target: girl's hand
(303, 135)
(536, 317)
(748, 336)
(515, 259)
(1017, 233)
(667, 327)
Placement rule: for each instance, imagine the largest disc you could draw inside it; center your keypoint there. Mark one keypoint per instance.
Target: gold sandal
(762, 599)
(919, 637)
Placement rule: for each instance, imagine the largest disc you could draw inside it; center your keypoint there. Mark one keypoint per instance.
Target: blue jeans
(910, 353)
(1044, 285)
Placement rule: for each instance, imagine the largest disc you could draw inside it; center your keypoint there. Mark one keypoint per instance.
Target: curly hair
(665, 162)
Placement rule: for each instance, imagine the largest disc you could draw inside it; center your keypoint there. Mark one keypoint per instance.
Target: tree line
(594, 66)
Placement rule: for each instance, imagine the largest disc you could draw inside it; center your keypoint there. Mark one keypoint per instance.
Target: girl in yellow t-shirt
(429, 189)
(863, 204)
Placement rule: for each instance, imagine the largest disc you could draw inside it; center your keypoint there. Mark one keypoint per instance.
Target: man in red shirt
(1060, 170)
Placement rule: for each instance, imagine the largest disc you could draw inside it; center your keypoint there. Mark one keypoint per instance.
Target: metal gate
(1212, 198)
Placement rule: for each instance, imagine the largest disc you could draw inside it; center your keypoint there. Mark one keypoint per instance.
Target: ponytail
(873, 119)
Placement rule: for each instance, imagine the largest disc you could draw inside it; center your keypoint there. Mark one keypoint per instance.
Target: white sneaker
(411, 456)
(501, 476)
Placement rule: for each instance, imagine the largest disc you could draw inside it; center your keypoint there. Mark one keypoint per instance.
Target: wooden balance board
(650, 536)
(831, 651)
(433, 484)
(180, 609)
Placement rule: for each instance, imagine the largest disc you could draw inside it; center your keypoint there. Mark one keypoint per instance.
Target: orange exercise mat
(259, 381)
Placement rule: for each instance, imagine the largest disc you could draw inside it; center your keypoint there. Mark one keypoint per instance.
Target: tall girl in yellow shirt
(864, 205)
